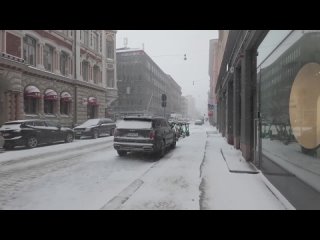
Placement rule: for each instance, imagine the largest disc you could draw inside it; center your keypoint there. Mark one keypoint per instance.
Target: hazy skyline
(167, 49)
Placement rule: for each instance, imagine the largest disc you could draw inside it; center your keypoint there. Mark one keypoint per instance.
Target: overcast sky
(167, 49)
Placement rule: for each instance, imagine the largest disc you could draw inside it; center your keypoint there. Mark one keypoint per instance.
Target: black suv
(31, 133)
(95, 128)
(144, 134)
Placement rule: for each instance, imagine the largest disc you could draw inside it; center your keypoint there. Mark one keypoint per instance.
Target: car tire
(111, 132)
(95, 134)
(174, 144)
(69, 138)
(8, 147)
(121, 153)
(77, 137)
(161, 151)
(32, 142)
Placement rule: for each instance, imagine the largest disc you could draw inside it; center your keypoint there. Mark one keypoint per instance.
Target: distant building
(141, 84)
(213, 74)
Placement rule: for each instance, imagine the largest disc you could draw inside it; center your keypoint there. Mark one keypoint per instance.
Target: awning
(66, 97)
(93, 101)
(32, 91)
(50, 95)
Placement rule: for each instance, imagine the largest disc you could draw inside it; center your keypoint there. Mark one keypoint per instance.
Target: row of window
(87, 72)
(32, 101)
(29, 55)
(95, 41)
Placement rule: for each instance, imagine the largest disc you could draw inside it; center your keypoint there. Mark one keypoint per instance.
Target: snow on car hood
(10, 127)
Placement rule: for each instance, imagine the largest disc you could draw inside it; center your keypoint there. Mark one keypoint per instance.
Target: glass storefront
(288, 76)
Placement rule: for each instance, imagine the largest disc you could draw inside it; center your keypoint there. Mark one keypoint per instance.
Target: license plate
(132, 135)
(6, 134)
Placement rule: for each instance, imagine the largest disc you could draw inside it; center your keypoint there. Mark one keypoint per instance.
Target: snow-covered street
(89, 174)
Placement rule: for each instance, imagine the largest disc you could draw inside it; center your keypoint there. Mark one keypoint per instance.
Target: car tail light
(152, 134)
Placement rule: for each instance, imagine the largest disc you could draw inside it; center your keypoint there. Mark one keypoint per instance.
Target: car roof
(141, 117)
(25, 120)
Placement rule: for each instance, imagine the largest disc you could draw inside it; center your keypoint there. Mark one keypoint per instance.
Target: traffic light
(164, 100)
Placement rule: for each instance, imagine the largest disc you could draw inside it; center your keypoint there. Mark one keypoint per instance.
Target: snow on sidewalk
(225, 190)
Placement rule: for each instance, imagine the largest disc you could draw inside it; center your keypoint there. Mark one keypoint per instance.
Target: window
(110, 78)
(95, 41)
(48, 107)
(96, 74)
(39, 124)
(31, 100)
(64, 63)
(86, 37)
(65, 103)
(30, 105)
(48, 57)
(29, 50)
(110, 49)
(85, 70)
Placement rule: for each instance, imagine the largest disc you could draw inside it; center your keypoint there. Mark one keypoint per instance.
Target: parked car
(95, 128)
(144, 134)
(31, 133)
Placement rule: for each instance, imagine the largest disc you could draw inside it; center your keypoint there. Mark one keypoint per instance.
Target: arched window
(65, 103)
(31, 100)
(50, 98)
(92, 107)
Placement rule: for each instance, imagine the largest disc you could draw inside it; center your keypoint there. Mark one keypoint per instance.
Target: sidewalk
(229, 182)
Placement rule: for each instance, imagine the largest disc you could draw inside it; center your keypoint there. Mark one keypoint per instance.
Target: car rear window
(135, 124)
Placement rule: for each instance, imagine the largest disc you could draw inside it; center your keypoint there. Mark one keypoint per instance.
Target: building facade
(141, 84)
(269, 99)
(66, 76)
(213, 74)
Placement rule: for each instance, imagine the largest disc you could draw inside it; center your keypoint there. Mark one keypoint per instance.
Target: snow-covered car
(95, 128)
(144, 134)
(31, 133)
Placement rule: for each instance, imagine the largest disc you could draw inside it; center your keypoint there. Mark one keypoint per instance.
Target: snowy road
(88, 174)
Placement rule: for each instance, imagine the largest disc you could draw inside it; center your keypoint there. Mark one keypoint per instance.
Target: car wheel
(69, 138)
(8, 147)
(111, 132)
(95, 134)
(77, 137)
(32, 142)
(122, 153)
(173, 145)
(162, 150)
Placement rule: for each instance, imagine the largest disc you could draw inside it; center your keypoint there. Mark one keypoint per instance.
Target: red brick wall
(13, 45)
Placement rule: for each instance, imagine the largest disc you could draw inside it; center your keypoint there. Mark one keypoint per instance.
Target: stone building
(66, 76)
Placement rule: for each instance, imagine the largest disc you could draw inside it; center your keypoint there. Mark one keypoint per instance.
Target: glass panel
(290, 107)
